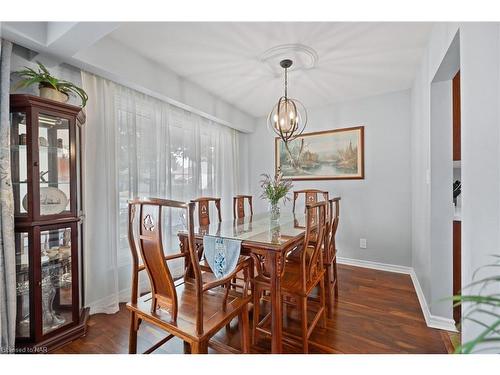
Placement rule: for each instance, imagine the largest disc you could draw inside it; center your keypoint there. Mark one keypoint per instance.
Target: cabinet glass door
(54, 164)
(19, 162)
(22, 285)
(56, 278)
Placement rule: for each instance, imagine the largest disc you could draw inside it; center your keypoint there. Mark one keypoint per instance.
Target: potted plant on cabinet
(50, 87)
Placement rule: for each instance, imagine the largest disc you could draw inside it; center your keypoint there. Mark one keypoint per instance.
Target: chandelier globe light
(288, 117)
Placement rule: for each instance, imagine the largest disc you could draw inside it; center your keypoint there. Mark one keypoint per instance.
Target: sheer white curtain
(7, 248)
(137, 145)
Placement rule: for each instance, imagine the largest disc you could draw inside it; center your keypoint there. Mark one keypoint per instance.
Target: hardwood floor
(377, 312)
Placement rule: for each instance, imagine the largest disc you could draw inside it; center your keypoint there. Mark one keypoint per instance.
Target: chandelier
(288, 117)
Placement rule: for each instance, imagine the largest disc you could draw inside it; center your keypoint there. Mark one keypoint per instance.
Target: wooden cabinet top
(24, 100)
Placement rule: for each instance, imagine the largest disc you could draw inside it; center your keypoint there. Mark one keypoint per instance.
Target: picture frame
(336, 154)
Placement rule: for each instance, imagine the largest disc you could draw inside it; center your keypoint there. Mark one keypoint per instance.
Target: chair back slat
(239, 206)
(203, 206)
(333, 222)
(310, 196)
(132, 209)
(314, 239)
(153, 256)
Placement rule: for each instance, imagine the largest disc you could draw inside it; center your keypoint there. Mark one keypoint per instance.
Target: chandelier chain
(286, 82)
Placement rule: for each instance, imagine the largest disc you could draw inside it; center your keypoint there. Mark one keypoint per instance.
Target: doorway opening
(445, 185)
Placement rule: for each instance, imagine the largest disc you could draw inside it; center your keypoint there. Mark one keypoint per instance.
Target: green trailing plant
(43, 78)
(482, 309)
(275, 189)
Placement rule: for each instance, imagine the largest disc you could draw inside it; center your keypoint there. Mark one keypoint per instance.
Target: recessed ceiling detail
(303, 57)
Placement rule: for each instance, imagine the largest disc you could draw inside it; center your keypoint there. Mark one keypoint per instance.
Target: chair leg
(132, 339)
(244, 330)
(187, 347)
(328, 290)
(256, 313)
(199, 347)
(303, 305)
(322, 302)
(336, 277)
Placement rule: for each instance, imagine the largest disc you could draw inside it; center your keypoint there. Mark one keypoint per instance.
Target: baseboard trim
(374, 265)
(432, 321)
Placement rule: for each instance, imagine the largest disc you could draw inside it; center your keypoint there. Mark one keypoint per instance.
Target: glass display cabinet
(45, 159)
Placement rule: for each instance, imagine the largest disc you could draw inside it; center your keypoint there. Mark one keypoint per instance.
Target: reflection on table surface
(258, 228)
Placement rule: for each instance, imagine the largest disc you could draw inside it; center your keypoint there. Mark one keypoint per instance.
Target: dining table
(268, 238)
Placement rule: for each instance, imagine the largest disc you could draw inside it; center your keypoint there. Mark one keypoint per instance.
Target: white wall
(479, 66)
(376, 208)
(479, 75)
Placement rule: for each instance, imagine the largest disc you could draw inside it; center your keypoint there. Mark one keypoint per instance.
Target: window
(167, 152)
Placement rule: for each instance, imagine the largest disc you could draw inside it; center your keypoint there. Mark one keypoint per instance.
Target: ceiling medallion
(304, 57)
(288, 117)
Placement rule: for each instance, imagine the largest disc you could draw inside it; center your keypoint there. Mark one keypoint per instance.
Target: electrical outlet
(362, 243)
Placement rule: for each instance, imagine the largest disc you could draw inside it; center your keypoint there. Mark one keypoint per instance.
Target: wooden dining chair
(239, 206)
(203, 208)
(330, 254)
(192, 308)
(310, 196)
(239, 213)
(298, 280)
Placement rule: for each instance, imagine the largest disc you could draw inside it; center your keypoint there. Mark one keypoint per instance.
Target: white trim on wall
(432, 321)
(374, 265)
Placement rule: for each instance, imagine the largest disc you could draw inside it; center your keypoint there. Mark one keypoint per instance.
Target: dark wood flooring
(376, 312)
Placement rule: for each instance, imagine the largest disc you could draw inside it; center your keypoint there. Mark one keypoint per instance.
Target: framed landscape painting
(327, 155)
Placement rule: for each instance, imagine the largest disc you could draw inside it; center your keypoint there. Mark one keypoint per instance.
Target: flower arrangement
(275, 189)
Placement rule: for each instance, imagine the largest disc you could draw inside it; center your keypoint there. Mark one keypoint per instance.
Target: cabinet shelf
(51, 149)
(43, 182)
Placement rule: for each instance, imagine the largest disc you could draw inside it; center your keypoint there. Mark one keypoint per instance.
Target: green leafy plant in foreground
(43, 78)
(482, 305)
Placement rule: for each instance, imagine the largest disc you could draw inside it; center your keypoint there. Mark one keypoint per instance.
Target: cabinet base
(61, 339)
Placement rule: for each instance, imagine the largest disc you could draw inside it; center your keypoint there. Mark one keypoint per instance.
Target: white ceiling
(353, 59)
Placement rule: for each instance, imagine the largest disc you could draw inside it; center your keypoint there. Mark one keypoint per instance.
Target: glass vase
(274, 211)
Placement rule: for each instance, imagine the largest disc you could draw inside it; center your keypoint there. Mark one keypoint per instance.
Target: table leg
(276, 316)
